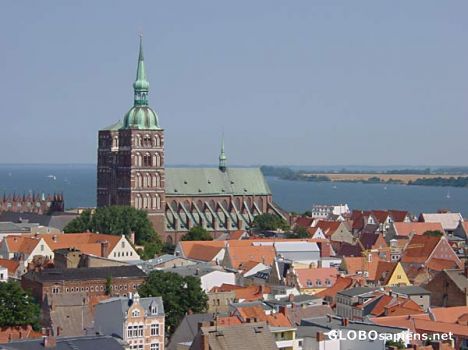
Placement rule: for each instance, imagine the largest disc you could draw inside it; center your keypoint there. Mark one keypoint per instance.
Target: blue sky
(289, 82)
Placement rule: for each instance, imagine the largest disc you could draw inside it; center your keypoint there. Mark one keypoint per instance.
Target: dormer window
(154, 310)
(135, 313)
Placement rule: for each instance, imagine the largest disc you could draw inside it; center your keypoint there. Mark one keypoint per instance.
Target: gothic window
(138, 184)
(157, 159)
(145, 180)
(157, 141)
(156, 202)
(138, 140)
(145, 202)
(147, 141)
(147, 160)
(137, 159)
(138, 201)
(156, 180)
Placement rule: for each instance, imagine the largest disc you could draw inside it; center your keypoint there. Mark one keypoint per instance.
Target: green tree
(433, 233)
(197, 233)
(399, 344)
(151, 248)
(269, 222)
(82, 223)
(116, 220)
(299, 232)
(17, 308)
(179, 294)
(307, 213)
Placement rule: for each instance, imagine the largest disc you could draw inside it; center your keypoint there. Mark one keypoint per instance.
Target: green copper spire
(141, 85)
(141, 116)
(222, 157)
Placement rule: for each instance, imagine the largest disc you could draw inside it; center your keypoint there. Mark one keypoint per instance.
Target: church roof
(212, 181)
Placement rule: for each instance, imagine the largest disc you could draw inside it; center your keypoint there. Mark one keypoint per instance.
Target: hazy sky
(289, 82)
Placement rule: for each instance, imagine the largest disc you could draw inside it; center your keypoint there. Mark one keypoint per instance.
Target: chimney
(104, 249)
(205, 343)
(132, 237)
(49, 342)
(282, 310)
(54, 238)
(320, 337)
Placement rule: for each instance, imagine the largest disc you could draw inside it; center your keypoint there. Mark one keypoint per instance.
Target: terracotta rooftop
(11, 265)
(203, 252)
(404, 229)
(419, 249)
(321, 277)
(262, 254)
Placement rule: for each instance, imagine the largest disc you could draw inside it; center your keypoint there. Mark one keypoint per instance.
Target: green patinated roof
(115, 126)
(141, 117)
(212, 181)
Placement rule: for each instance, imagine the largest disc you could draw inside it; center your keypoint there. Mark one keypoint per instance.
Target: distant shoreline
(401, 177)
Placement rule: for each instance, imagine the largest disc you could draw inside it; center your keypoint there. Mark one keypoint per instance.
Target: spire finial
(222, 157)
(141, 85)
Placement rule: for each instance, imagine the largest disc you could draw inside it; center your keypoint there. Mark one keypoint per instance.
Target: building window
(147, 160)
(135, 313)
(154, 346)
(155, 329)
(55, 290)
(309, 283)
(154, 310)
(318, 283)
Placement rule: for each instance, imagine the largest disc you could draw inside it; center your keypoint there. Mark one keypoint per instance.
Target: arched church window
(138, 180)
(138, 140)
(156, 180)
(156, 202)
(138, 201)
(157, 159)
(146, 141)
(138, 159)
(147, 160)
(157, 141)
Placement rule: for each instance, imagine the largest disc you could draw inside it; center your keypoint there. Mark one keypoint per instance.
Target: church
(131, 171)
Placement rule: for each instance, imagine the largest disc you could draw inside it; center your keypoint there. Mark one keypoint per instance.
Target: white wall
(216, 279)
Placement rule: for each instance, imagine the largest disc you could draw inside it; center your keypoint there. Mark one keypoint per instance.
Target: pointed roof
(222, 157)
(141, 83)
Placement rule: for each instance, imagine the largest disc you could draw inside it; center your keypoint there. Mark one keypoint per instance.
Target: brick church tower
(130, 167)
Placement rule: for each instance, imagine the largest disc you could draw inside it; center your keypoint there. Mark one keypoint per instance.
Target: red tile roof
(11, 265)
(262, 254)
(341, 283)
(419, 249)
(17, 332)
(441, 264)
(249, 293)
(203, 252)
(304, 221)
(316, 277)
(328, 227)
(398, 215)
(404, 229)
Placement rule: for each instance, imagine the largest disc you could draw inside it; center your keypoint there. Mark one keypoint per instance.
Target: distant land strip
(403, 177)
